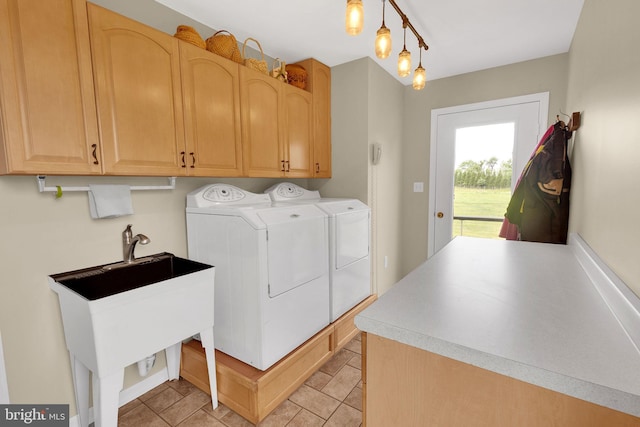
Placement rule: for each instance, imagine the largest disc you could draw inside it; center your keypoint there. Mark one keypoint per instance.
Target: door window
(482, 179)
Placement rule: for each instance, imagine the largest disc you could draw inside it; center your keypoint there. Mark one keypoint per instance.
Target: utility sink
(117, 314)
(106, 280)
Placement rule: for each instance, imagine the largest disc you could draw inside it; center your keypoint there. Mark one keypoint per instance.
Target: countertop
(530, 311)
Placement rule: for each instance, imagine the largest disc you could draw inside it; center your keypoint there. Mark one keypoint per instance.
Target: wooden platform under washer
(253, 393)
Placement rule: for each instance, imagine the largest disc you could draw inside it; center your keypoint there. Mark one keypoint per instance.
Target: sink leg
(81, 386)
(206, 338)
(173, 360)
(106, 398)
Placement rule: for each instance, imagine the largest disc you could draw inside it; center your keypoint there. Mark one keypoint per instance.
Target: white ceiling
(463, 35)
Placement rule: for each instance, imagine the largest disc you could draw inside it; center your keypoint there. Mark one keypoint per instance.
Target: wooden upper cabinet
(84, 90)
(47, 107)
(139, 96)
(298, 132)
(263, 121)
(319, 84)
(277, 128)
(211, 93)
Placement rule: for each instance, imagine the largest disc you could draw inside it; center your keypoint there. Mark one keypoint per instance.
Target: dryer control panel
(286, 192)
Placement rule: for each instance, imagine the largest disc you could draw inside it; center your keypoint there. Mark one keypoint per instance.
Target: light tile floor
(330, 397)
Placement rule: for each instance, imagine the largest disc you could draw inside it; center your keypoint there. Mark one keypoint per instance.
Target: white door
(529, 116)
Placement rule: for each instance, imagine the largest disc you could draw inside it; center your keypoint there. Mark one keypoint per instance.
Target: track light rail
(407, 23)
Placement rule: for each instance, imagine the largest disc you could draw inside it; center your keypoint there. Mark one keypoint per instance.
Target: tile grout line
(192, 390)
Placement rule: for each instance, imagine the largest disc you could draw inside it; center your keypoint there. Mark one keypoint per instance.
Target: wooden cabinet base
(406, 386)
(253, 393)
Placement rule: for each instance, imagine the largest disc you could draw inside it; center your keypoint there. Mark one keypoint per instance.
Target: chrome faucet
(129, 243)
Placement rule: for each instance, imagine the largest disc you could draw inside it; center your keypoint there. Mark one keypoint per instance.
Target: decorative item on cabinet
(255, 64)
(224, 45)
(297, 75)
(190, 35)
(279, 72)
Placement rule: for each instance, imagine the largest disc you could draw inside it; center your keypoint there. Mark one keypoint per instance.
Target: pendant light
(383, 39)
(404, 59)
(355, 17)
(355, 22)
(419, 75)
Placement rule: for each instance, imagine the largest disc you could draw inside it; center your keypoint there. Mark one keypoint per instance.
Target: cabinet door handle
(282, 166)
(317, 167)
(184, 165)
(94, 154)
(193, 160)
(287, 163)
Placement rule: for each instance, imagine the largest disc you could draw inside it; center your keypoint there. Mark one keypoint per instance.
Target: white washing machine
(349, 243)
(272, 279)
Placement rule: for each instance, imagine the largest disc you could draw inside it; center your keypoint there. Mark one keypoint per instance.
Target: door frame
(543, 117)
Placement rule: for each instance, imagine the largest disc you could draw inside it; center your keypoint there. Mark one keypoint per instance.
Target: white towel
(110, 201)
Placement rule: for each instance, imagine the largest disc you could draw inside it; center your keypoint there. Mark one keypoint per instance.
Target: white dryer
(272, 280)
(349, 243)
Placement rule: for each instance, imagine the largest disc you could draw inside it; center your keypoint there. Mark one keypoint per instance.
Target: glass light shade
(404, 63)
(383, 42)
(355, 17)
(419, 78)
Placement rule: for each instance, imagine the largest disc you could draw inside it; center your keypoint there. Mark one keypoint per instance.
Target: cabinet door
(211, 96)
(319, 84)
(137, 77)
(47, 105)
(262, 123)
(298, 132)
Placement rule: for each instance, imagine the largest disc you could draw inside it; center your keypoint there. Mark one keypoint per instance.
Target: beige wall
(541, 75)
(366, 108)
(42, 235)
(604, 84)
(385, 178)
(349, 121)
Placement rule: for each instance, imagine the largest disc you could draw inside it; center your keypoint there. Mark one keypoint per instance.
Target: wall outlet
(386, 261)
(418, 187)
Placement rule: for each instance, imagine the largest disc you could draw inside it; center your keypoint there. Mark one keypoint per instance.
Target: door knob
(440, 215)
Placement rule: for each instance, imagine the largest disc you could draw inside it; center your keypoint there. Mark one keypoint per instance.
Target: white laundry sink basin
(114, 317)
(117, 314)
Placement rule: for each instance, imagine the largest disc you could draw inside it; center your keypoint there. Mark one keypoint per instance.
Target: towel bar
(59, 190)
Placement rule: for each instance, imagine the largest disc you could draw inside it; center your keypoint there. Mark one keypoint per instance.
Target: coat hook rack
(60, 190)
(574, 120)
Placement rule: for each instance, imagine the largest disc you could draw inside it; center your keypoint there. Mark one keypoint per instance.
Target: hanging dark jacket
(540, 203)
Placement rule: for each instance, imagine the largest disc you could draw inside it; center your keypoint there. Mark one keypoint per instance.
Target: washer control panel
(224, 194)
